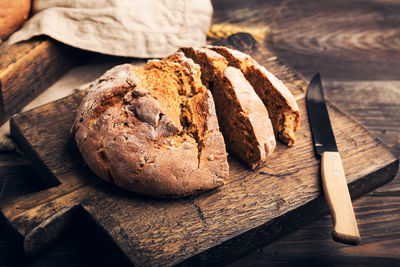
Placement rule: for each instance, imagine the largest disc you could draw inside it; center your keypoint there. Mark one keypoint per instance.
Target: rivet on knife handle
(345, 228)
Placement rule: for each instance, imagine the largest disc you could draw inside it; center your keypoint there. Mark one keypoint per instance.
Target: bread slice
(242, 116)
(153, 130)
(281, 105)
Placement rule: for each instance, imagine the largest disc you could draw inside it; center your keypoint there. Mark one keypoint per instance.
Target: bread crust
(12, 15)
(128, 136)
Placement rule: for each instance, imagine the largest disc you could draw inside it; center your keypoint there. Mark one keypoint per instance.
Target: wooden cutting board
(252, 209)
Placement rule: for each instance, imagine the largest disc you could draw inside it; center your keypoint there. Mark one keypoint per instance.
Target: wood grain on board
(252, 209)
(28, 68)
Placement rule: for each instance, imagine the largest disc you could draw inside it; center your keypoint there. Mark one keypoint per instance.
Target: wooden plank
(377, 216)
(29, 67)
(252, 209)
(340, 39)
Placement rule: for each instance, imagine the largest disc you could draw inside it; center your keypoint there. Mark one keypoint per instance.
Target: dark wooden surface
(356, 47)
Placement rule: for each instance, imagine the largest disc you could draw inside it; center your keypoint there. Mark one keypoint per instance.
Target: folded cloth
(132, 28)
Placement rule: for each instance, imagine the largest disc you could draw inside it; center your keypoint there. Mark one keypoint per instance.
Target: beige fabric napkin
(133, 28)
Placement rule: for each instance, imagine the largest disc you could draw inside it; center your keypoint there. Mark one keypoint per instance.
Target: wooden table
(356, 48)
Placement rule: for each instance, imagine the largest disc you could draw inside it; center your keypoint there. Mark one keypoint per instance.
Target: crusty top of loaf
(130, 135)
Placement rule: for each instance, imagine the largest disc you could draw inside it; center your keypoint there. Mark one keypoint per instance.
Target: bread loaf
(242, 116)
(12, 15)
(153, 130)
(281, 105)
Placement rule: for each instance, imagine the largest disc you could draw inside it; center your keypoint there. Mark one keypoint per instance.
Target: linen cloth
(131, 28)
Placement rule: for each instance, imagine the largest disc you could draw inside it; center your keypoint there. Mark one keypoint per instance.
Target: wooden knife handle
(337, 195)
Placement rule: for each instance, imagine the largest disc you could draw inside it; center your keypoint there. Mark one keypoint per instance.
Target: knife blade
(345, 229)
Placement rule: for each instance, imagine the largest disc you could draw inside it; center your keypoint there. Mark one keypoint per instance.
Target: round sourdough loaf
(152, 130)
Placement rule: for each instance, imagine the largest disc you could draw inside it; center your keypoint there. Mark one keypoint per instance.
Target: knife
(334, 183)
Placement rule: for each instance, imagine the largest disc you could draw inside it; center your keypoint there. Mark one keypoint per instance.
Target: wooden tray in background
(252, 209)
(28, 68)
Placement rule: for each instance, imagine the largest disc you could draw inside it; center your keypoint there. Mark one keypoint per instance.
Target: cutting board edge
(47, 177)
